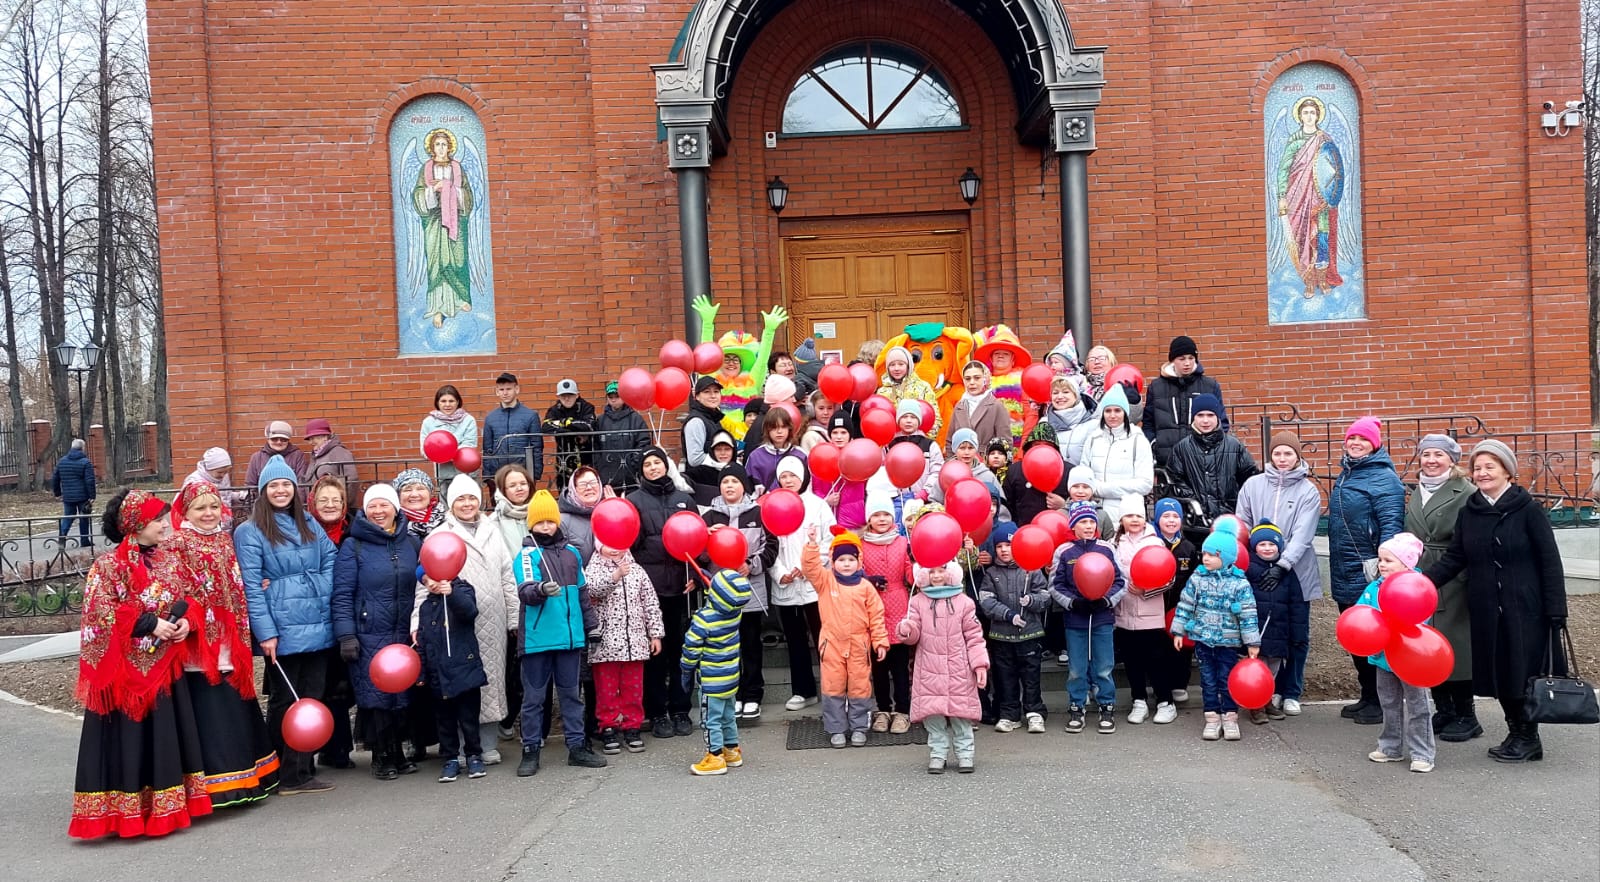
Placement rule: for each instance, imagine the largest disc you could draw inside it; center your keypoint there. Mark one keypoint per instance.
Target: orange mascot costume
(939, 351)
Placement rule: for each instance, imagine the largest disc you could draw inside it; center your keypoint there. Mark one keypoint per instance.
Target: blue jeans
(1216, 663)
(722, 729)
(1291, 679)
(1086, 647)
(538, 668)
(82, 510)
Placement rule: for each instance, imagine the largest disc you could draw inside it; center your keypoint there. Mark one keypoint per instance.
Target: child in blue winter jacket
(1091, 624)
(1407, 714)
(1217, 610)
(711, 648)
(453, 669)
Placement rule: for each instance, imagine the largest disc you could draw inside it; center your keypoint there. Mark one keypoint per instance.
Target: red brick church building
(1351, 207)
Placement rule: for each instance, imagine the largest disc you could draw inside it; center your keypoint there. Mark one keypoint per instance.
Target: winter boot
(1464, 727)
(1444, 712)
(1513, 731)
(530, 763)
(1525, 748)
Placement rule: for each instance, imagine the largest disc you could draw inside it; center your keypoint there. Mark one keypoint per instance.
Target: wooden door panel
(825, 276)
(929, 272)
(875, 274)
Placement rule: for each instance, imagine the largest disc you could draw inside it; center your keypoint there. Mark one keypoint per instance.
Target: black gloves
(349, 648)
(1271, 578)
(1100, 605)
(145, 625)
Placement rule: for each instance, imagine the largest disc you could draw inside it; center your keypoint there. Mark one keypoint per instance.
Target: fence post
(96, 442)
(1266, 438)
(147, 445)
(39, 432)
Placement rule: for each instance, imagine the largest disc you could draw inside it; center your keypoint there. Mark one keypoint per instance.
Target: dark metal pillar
(694, 244)
(1075, 247)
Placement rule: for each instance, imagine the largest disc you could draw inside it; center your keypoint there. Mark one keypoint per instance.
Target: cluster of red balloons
(1417, 653)
(840, 383)
(669, 388)
(441, 447)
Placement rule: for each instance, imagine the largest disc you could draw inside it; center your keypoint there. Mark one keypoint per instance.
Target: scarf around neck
(451, 418)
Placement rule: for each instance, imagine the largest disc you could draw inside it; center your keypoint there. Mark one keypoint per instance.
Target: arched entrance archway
(1055, 83)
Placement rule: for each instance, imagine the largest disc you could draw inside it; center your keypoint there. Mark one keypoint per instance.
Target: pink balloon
(707, 358)
(905, 464)
(859, 459)
(395, 668)
(442, 556)
(794, 415)
(877, 402)
(1093, 575)
(953, 472)
(307, 725)
(671, 388)
(439, 447)
(1056, 523)
(676, 353)
(928, 415)
(866, 380)
(936, 539)
(468, 459)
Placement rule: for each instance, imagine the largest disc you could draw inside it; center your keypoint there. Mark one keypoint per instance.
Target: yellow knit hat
(542, 507)
(845, 542)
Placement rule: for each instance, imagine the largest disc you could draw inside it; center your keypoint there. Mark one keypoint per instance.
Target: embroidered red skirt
(140, 778)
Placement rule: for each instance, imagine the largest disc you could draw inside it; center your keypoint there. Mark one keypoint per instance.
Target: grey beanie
(1500, 451)
(1437, 441)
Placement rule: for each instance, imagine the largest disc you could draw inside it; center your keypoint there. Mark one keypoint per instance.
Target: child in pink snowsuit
(952, 664)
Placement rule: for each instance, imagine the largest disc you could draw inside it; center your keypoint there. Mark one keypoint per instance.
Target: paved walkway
(1292, 800)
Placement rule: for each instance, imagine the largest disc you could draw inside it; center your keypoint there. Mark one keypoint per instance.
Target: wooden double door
(849, 288)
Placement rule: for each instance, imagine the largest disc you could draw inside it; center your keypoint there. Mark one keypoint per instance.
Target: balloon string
(285, 678)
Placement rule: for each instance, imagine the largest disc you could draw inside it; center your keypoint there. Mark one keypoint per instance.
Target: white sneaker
(752, 710)
(491, 757)
(1180, 695)
(1139, 713)
(1291, 707)
(1035, 724)
(1421, 766)
(1063, 658)
(1005, 726)
(1379, 756)
(1166, 712)
(799, 702)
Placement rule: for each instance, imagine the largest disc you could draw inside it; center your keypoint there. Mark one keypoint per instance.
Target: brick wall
(276, 222)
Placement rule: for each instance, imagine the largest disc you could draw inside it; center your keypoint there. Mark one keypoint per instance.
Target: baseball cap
(611, 388)
(279, 429)
(507, 377)
(568, 386)
(706, 382)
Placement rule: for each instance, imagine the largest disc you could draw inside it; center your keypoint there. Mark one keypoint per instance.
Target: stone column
(689, 157)
(1072, 131)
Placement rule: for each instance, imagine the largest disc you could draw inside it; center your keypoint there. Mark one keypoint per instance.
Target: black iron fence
(41, 573)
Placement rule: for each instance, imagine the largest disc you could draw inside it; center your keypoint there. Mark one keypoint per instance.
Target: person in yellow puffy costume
(938, 352)
(744, 360)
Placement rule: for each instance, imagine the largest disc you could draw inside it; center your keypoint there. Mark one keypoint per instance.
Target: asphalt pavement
(1293, 800)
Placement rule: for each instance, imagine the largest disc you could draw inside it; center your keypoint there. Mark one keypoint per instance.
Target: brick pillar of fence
(38, 438)
(147, 444)
(96, 444)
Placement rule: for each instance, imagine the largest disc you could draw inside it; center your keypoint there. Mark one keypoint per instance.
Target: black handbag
(1560, 698)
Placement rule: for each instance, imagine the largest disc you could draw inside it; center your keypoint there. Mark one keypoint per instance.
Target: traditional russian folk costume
(140, 766)
(241, 766)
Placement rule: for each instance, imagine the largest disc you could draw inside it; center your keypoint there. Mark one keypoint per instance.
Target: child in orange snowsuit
(853, 634)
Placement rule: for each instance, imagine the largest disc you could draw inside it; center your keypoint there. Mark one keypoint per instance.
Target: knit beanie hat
(1205, 402)
(542, 507)
(778, 388)
(275, 470)
(879, 503)
(900, 352)
(1181, 346)
(845, 542)
(1080, 474)
(1368, 427)
(462, 485)
(907, 406)
(1132, 503)
(963, 436)
(215, 459)
(1285, 438)
(1002, 533)
(790, 465)
(734, 470)
(1166, 504)
(1223, 545)
(1115, 396)
(384, 492)
(1081, 511)
(806, 351)
(1406, 547)
(413, 476)
(1267, 531)
(1500, 451)
(1445, 443)
(1043, 433)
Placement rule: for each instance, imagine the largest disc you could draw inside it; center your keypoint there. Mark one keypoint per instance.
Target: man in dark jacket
(1210, 465)
(571, 420)
(511, 430)
(622, 436)
(1168, 408)
(73, 482)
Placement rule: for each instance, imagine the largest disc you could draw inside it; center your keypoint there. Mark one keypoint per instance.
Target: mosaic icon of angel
(449, 195)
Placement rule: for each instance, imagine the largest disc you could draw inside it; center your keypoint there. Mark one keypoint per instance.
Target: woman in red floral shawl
(241, 766)
(140, 766)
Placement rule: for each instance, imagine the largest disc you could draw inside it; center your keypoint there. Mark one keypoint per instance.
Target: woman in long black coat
(1516, 590)
(660, 496)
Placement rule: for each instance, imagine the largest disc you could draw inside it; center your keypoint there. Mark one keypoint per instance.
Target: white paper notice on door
(824, 331)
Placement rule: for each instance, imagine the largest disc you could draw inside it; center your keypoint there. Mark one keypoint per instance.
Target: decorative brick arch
(383, 117)
(1269, 74)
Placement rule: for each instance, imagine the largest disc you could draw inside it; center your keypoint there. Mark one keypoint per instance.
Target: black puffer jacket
(623, 436)
(1167, 409)
(656, 501)
(1211, 468)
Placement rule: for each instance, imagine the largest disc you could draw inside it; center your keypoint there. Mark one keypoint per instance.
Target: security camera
(1575, 105)
(1549, 105)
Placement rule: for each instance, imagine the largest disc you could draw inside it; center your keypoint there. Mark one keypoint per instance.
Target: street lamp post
(80, 361)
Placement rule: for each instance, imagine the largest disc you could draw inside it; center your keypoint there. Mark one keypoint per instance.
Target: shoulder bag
(1563, 697)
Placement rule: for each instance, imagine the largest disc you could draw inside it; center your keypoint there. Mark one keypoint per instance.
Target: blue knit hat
(963, 436)
(1266, 531)
(1206, 402)
(1223, 545)
(1002, 532)
(275, 470)
(1166, 504)
(1079, 511)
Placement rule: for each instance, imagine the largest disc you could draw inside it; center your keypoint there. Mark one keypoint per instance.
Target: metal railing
(40, 572)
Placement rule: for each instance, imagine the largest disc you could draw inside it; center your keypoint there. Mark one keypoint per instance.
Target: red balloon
(1032, 547)
(727, 547)
(1036, 379)
(443, 555)
(969, 503)
(859, 459)
(707, 358)
(1055, 523)
(307, 725)
(905, 464)
(1408, 598)
(684, 535)
(1093, 574)
(866, 380)
(1043, 467)
(395, 668)
(878, 426)
(782, 511)
(468, 459)
(637, 388)
(981, 534)
(672, 388)
(953, 472)
(1242, 559)
(1125, 373)
(615, 523)
(439, 447)
(823, 461)
(1171, 614)
(676, 353)
(928, 415)
(794, 417)
(1363, 631)
(836, 383)
(877, 402)
(1420, 655)
(1250, 683)
(935, 539)
(1152, 568)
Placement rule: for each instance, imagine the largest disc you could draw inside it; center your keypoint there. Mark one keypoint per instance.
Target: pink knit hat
(1368, 427)
(1406, 547)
